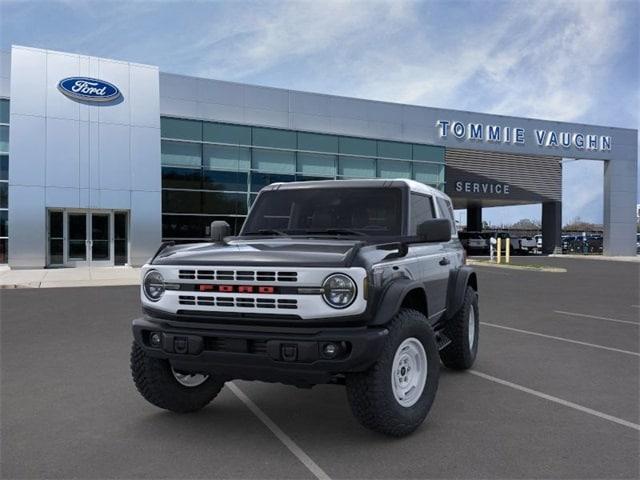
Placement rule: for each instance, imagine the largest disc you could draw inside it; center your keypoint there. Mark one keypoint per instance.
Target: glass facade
(212, 171)
(4, 180)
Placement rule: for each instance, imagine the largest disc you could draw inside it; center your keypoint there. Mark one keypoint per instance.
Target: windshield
(329, 211)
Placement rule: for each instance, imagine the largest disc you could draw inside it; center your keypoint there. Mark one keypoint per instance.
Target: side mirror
(435, 230)
(219, 230)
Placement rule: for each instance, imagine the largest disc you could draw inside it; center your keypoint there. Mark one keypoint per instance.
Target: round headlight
(153, 285)
(339, 290)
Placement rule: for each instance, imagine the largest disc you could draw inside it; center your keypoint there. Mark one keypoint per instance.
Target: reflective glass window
(182, 129)
(4, 167)
(225, 133)
(4, 251)
(229, 203)
(317, 164)
(176, 201)
(394, 169)
(271, 137)
(4, 219)
(318, 143)
(173, 177)
(181, 154)
(394, 150)
(4, 111)
(274, 161)
(428, 173)
(428, 153)
(4, 139)
(357, 167)
(260, 180)
(218, 180)
(421, 209)
(227, 157)
(4, 195)
(358, 146)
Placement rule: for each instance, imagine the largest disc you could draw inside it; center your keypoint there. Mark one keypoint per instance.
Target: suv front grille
(237, 275)
(238, 302)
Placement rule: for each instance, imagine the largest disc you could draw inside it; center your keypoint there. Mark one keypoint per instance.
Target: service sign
(88, 89)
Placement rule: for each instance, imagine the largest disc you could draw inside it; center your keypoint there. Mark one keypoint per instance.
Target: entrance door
(87, 238)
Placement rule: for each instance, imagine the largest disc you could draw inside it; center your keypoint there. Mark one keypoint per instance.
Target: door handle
(444, 261)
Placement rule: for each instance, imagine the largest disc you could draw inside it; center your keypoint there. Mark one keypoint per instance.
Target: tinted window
(181, 178)
(420, 210)
(447, 211)
(370, 211)
(217, 180)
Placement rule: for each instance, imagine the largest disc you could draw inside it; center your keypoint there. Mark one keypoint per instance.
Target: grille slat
(238, 302)
(238, 275)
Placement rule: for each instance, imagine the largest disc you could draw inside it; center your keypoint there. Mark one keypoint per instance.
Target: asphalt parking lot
(554, 394)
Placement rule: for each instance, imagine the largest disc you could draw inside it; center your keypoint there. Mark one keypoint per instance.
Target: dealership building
(101, 160)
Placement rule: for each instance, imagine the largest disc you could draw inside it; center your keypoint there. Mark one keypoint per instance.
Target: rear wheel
(462, 330)
(395, 395)
(170, 389)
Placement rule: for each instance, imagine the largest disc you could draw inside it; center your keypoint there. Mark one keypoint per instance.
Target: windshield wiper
(336, 231)
(268, 231)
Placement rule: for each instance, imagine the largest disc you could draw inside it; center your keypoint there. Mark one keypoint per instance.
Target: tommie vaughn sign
(478, 132)
(88, 89)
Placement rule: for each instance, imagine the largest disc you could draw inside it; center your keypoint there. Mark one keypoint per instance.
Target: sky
(558, 60)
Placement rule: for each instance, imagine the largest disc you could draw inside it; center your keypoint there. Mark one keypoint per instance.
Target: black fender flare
(392, 297)
(458, 281)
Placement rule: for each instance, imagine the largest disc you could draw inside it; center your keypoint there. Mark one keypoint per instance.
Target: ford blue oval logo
(89, 89)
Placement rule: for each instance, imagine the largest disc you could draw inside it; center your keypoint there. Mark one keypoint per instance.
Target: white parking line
(563, 339)
(608, 319)
(280, 435)
(560, 401)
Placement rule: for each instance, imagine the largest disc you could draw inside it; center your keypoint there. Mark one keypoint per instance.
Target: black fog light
(330, 350)
(155, 339)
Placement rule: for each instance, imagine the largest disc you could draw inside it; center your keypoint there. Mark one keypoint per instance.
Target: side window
(447, 212)
(421, 209)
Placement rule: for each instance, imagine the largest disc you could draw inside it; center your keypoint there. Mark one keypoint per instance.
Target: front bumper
(277, 356)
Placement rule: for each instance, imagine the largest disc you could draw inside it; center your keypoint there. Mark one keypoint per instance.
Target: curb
(517, 267)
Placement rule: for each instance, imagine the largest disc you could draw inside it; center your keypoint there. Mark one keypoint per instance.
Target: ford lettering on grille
(237, 288)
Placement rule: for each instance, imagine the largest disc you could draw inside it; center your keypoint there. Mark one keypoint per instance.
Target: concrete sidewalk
(69, 277)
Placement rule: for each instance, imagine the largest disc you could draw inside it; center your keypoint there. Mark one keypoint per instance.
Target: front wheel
(170, 389)
(395, 395)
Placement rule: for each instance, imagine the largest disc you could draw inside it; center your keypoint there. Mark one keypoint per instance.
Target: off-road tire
(459, 355)
(156, 383)
(370, 393)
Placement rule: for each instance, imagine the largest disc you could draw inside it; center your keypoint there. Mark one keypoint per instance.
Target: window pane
(4, 111)
(56, 252)
(183, 129)
(120, 226)
(260, 180)
(357, 167)
(4, 221)
(317, 164)
(55, 225)
(179, 153)
(447, 211)
(428, 173)
(4, 167)
(217, 180)
(4, 139)
(227, 158)
(428, 153)
(4, 193)
(181, 178)
(317, 143)
(226, 203)
(274, 161)
(421, 210)
(224, 133)
(4, 251)
(394, 169)
(271, 137)
(175, 201)
(358, 146)
(195, 227)
(394, 150)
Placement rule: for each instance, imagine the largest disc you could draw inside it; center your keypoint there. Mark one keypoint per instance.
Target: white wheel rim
(189, 379)
(409, 372)
(472, 327)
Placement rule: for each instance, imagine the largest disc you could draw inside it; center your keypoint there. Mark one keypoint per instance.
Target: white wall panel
(28, 81)
(27, 141)
(63, 153)
(145, 155)
(144, 97)
(265, 98)
(115, 156)
(59, 66)
(62, 197)
(118, 74)
(223, 93)
(146, 225)
(115, 199)
(27, 247)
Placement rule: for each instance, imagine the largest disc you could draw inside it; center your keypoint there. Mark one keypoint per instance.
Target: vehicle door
(429, 260)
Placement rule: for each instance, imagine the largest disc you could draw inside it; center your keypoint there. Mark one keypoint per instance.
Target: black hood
(274, 252)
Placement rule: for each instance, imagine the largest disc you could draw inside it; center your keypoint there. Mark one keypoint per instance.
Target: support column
(620, 198)
(474, 218)
(551, 227)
